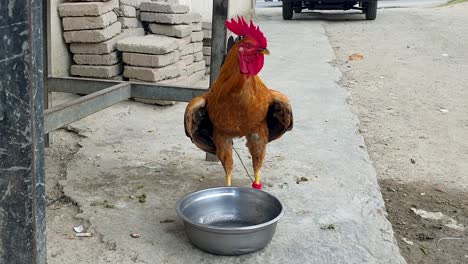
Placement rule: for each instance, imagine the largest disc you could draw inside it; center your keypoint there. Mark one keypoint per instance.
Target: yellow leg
(257, 178)
(224, 154)
(257, 145)
(257, 184)
(228, 180)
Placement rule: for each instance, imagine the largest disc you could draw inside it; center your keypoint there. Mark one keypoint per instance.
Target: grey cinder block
(89, 22)
(107, 46)
(92, 35)
(95, 59)
(151, 44)
(96, 71)
(148, 60)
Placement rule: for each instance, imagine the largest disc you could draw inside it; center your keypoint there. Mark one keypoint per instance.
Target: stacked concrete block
(173, 21)
(151, 58)
(136, 5)
(105, 47)
(127, 14)
(100, 60)
(206, 28)
(106, 35)
(92, 9)
(168, 19)
(90, 24)
(193, 52)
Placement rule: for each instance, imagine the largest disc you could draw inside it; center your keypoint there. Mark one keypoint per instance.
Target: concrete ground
(409, 89)
(410, 94)
(104, 162)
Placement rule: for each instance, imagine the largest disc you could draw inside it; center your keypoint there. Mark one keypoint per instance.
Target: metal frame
(104, 93)
(101, 94)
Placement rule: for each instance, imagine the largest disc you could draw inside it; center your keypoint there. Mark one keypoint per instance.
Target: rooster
(239, 104)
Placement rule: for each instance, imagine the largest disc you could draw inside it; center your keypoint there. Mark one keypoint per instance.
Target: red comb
(241, 28)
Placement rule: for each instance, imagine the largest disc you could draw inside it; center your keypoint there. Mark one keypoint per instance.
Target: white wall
(204, 7)
(59, 56)
(244, 8)
(236, 7)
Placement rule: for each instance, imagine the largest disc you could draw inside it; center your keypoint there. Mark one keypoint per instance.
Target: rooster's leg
(257, 146)
(224, 153)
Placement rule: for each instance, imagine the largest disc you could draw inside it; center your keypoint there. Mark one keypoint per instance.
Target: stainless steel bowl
(230, 220)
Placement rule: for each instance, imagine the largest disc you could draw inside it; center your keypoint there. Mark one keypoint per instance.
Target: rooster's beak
(265, 52)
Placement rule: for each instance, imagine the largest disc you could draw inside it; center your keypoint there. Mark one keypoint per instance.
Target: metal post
(22, 188)
(45, 39)
(218, 37)
(218, 45)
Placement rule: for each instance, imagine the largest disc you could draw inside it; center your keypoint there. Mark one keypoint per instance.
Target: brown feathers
(238, 105)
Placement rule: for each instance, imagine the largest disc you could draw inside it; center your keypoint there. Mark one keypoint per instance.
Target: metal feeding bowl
(230, 220)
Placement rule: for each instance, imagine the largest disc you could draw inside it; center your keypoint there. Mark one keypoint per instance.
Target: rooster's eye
(248, 45)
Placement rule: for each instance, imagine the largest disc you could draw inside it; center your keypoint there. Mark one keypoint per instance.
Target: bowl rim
(218, 229)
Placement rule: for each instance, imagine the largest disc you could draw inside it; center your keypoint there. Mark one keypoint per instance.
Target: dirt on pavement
(424, 240)
(62, 213)
(409, 89)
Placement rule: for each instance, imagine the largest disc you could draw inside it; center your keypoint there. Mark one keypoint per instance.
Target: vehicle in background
(368, 7)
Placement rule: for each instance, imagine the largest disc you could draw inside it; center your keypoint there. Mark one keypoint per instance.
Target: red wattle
(257, 186)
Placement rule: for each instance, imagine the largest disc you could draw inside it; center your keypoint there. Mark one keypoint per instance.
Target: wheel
(297, 9)
(371, 10)
(287, 10)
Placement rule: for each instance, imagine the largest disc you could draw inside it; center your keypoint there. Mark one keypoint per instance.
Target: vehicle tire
(297, 9)
(371, 10)
(287, 10)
